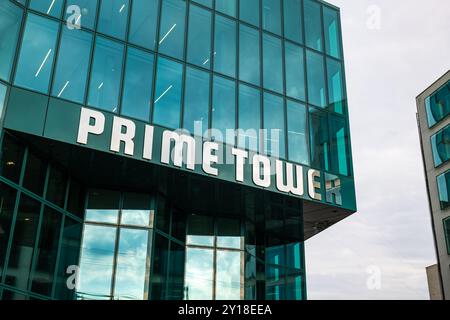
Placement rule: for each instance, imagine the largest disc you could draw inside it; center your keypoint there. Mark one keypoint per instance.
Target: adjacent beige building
(433, 107)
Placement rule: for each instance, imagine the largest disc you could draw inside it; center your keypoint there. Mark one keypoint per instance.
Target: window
(37, 53)
(144, 18)
(225, 46)
(447, 233)
(196, 101)
(56, 187)
(319, 136)
(272, 64)
(331, 28)
(274, 137)
(35, 174)
(316, 79)
(8, 199)
(249, 118)
(224, 108)
(293, 28)
(106, 75)
(199, 40)
(295, 71)
(272, 16)
(11, 17)
(171, 34)
(443, 183)
(249, 55)
(207, 3)
(167, 104)
(122, 249)
(138, 82)
(84, 18)
(50, 7)
(297, 133)
(313, 25)
(438, 105)
(226, 6)
(336, 94)
(47, 251)
(113, 18)
(338, 145)
(72, 66)
(440, 144)
(214, 260)
(249, 11)
(23, 243)
(11, 159)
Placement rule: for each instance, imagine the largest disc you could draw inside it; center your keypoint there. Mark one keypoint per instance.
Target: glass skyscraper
(169, 149)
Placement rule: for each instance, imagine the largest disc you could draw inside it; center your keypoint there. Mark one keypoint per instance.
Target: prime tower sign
(181, 150)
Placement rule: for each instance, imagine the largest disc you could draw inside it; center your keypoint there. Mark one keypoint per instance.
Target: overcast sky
(387, 67)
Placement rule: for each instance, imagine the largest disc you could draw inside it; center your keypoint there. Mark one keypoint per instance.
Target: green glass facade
(271, 71)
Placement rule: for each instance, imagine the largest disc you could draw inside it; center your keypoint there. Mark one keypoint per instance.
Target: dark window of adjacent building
(443, 182)
(35, 173)
(440, 144)
(438, 105)
(447, 233)
(57, 185)
(76, 199)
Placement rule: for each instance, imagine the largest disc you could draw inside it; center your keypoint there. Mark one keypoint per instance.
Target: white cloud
(386, 69)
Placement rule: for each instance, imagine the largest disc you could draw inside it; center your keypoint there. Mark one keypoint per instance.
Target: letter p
(97, 127)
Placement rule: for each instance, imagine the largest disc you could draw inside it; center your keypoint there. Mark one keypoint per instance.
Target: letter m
(184, 149)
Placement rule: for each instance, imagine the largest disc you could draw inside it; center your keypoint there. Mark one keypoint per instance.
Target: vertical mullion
(156, 59)
(116, 246)
(283, 57)
(211, 73)
(262, 132)
(183, 81)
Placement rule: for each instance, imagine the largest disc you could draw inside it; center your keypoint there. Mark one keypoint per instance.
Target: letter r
(85, 127)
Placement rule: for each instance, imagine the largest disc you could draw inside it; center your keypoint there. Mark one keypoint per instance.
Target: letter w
(289, 185)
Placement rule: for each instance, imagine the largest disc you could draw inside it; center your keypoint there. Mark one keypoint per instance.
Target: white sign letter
(127, 137)
(289, 186)
(85, 124)
(313, 184)
(258, 161)
(148, 142)
(209, 158)
(241, 155)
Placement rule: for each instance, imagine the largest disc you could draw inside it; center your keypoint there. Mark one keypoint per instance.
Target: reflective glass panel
(11, 158)
(319, 139)
(37, 53)
(224, 108)
(199, 38)
(144, 18)
(199, 274)
(443, 182)
(200, 231)
(81, 13)
(35, 173)
(167, 104)
(8, 199)
(72, 66)
(229, 284)
(293, 20)
(274, 137)
(2, 99)
(103, 206)
(137, 87)
(225, 46)
(339, 159)
(10, 21)
(207, 3)
(297, 133)
(50, 7)
(136, 210)
(438, 105)
(44, 268)
(106, 75)
(196, 101)
(226, 6)
(249, 117)
(22, 250)
(249, 55)
(331, 29)
(96, 263)
(56, 187)
(132, 270)
(295, 71)
(272, 16)
(113, 18)
(440, 144)
(313, 25)
(273, 65)
(249, 11)
(335, 86)
(316, 78)
(171, 34)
